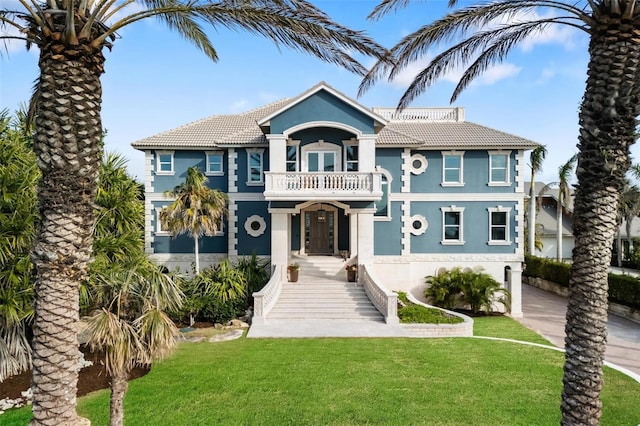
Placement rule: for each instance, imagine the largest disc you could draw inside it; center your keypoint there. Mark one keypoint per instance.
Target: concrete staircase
(323, 293)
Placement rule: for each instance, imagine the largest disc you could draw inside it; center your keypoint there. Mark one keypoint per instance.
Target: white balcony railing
(320, 185)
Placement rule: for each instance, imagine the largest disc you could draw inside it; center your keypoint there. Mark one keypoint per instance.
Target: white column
(353, 234)
(367, 153)
(365, 238)
(277, 153)
(279, 239)
(515, 278)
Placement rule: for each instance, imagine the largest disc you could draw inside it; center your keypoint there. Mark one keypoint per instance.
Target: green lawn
(358, 382)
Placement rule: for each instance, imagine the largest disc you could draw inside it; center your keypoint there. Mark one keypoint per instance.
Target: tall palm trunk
(532, 217)
(119, 387)
(68, 147)
(197, 250)
(559, 228)
(607, 130)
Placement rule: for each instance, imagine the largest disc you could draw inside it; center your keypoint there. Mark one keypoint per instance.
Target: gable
(322, 106)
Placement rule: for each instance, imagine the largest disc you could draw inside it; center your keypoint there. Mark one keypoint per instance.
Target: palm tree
(536, 158)
(564, 196)
(478, 36)
(198, 210)
(18, 220)
(629, 209)
(131, 326)
(71, 36)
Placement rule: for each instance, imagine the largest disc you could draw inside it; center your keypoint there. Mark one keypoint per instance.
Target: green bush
(623, 289)
(218, 311)
(474, 289)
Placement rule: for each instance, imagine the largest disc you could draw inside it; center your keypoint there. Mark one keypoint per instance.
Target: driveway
(545, 312)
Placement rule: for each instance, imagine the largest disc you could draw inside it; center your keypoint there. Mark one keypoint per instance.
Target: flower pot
(351, 276)
(293, 275)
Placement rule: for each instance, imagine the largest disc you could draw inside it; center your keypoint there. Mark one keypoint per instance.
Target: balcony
(339, 186)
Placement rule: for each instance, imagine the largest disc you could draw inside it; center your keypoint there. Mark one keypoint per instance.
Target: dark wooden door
(319, 234)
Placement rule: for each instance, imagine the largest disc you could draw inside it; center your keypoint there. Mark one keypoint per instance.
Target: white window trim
(261, 222)
(295, 143)
(461, 179)
(255, 151)
(321, 145)
(507, 240)
(507, 174)
(159, 231)
(459, 241)
(350, 142)
(210, 172)
(386, 174)
(165, 172)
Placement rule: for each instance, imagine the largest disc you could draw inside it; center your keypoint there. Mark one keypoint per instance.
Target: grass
(357, 382)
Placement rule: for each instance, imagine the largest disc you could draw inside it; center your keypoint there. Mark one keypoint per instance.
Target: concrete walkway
(545, 312)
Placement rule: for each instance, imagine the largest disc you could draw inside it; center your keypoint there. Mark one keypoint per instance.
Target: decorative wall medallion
(255, 225)
(418, 224)
(418, 164)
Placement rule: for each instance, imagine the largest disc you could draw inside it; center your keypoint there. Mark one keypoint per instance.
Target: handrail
(384, 300)
(367, 184)
(265, 299)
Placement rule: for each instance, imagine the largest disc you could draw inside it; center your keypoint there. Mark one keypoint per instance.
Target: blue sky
(155, 80)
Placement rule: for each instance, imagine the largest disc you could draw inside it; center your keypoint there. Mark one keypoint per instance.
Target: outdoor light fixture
(321, 214)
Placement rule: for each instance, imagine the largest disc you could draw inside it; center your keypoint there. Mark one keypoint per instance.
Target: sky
(155, 80)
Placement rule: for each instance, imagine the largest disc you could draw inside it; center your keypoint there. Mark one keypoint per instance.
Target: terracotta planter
(293, 275)
(351, 276)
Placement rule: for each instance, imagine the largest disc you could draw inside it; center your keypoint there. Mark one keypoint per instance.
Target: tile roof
(214, 131)
(244, 129)
(448, 135)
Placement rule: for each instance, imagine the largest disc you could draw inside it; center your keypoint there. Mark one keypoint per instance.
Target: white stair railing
(265, 299)
(384, 300)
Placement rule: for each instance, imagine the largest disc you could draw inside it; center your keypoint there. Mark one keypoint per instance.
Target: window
(498, 168)
(292, 158)
(255, 166)
(419, 224)
(255, 225)
(383, 206)
(164, 162)
(418, 164)
(351, 158)
(215, 163)
(452, 168)
(159, 228)
(452, 225)
(499, 226)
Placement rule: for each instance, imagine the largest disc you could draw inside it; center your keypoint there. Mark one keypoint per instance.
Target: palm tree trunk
(560, 228)
(532, 218)
(119, 386)
(197, 249)
(607, 129)
(67, 143)
(619, 249)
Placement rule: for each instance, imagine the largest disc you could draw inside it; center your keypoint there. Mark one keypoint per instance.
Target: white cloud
(239, 106)
(491, 76)
(562, 35)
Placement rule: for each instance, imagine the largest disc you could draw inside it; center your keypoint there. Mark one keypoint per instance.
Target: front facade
(404, 194)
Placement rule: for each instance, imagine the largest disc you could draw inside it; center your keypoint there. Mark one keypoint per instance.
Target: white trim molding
(460, 155)
(507, 225)
(422, 224)
(507, 180)
(233, 170)
(406, 170)
(460, 225)
(208, 156)
(418, 158)
(159, 164)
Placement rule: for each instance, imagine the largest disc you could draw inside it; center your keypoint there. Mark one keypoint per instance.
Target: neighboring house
(547, 217)
(547, 222)
(403, 194)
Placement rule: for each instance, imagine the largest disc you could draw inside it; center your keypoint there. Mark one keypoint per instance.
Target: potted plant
(293, 270)
(352, 273)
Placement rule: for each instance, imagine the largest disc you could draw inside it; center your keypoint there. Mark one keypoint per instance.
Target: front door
(318, 232)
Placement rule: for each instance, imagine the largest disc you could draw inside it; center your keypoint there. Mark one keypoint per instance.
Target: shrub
(623, 289)
(474, 289)
(256, 272)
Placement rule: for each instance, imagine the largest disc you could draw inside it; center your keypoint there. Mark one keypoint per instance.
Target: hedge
(623, 289)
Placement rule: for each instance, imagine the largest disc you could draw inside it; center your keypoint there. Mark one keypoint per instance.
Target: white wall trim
(232, 220)
(489, 197)
(406, 232)
(406, 171)
(233, 171)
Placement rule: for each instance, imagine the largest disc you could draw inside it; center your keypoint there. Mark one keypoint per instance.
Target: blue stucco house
(402, 194)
